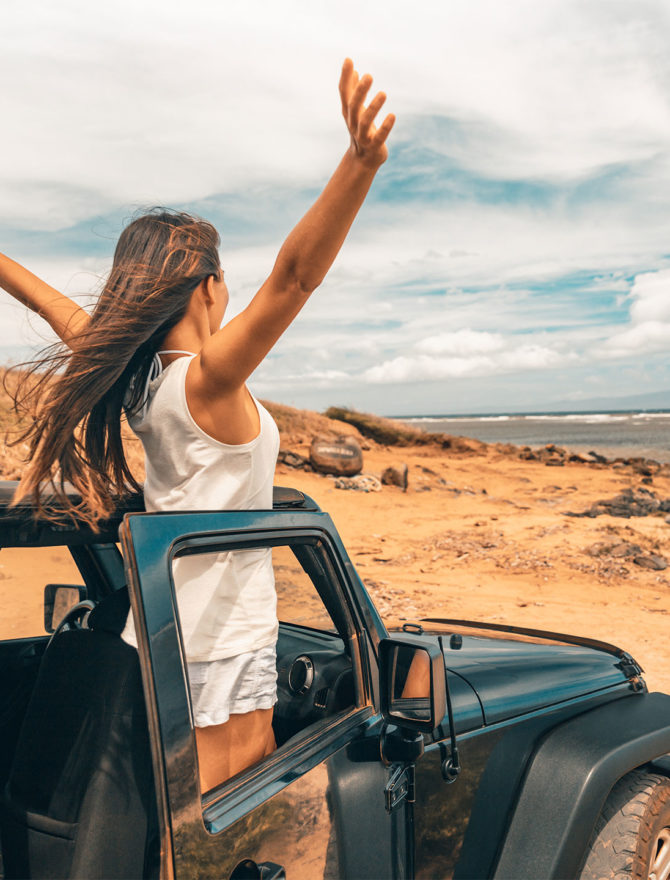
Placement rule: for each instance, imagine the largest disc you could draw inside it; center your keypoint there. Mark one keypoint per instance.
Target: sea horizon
(628, 433)
(501, 414)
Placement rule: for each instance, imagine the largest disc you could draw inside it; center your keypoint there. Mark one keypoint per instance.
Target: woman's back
(227, 603)
(186, 469)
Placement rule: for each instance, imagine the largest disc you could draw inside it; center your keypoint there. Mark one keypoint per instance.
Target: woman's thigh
(227, 749)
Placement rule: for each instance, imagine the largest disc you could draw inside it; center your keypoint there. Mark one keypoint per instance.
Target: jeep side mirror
(58, 599)
(412, 683)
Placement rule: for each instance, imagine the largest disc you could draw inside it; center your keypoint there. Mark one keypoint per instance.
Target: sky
(514, 251)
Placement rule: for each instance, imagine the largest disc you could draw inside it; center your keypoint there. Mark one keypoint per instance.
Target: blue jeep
(513, 754)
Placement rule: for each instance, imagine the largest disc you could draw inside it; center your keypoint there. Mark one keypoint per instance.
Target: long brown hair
(75, 398)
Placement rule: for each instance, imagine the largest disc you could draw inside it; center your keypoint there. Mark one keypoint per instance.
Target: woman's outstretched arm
(66, 318)
(229, 357)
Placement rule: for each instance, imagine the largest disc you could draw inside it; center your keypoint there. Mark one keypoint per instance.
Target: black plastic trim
(569, 777)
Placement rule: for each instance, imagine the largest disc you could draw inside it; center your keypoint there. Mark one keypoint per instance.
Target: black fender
(569, 776)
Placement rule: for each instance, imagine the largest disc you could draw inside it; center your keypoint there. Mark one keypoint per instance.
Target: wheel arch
(569, 776)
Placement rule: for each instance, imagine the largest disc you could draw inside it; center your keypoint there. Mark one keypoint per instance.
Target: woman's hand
(368, 143)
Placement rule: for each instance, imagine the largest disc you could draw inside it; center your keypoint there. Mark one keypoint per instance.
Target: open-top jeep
(446, 749)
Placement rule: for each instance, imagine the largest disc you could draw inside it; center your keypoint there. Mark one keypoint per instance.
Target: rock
(596, 456)
(293, 459)
(631, 502)
(396, 476)
(361, 483)
(616, 550)
(654, 563)
(625, 549)
(341, 455)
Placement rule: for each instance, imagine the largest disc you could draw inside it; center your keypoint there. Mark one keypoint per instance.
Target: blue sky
(514, 251)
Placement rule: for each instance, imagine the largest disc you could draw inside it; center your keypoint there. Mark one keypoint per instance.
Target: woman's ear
(208, 290)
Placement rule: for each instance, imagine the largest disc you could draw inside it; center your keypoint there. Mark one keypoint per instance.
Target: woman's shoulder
(165, 387)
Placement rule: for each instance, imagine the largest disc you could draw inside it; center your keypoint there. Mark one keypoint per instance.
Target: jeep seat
(79, 799)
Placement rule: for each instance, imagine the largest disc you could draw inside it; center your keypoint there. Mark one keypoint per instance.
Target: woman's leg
(227, 749)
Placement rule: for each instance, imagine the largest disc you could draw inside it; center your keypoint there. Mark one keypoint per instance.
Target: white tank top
(227, 601)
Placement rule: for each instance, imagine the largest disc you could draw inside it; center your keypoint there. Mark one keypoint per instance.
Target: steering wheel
(74, 619)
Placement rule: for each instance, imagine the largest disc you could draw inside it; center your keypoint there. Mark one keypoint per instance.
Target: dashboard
(314, 679)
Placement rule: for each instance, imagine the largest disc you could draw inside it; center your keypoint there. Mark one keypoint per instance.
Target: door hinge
(398, 787)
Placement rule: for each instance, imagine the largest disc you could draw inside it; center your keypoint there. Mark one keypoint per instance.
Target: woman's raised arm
(230, 356)
(66, 318)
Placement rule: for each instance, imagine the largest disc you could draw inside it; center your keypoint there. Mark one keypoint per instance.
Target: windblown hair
(76, 398)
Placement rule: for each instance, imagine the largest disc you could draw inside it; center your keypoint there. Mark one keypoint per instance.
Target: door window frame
(156, 630)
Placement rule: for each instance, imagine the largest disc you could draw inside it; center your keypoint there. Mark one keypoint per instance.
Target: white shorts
(233, 686)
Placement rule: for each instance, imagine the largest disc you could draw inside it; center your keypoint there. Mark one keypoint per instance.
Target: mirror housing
(58, 599)
(412, 683)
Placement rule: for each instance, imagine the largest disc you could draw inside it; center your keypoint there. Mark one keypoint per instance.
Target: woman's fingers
(366, 139)
(383, 131)
(357, 99)
(347, 84)
(373, 108)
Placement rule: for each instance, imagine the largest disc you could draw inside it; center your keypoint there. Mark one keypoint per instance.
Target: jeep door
(315, 807)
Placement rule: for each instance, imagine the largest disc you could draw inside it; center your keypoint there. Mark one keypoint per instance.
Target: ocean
(613, 434)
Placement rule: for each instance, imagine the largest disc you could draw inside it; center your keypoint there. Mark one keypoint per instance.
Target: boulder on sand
(341, 455)
(396, 476)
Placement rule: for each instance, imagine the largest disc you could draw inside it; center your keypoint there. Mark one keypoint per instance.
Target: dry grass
(390, 432)
(298, 426)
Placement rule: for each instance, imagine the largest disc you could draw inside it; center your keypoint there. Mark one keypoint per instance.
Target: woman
(154, 347)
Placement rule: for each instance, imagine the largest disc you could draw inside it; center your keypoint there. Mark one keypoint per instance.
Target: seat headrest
(111, 614)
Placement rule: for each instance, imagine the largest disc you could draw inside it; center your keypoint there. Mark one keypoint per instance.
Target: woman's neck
(185, 336)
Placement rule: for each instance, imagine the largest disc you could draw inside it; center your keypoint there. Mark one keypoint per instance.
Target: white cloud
(426, 368)
(651, 297)
(138, 103)
(640, 340)
(461, 343)
(649, 328)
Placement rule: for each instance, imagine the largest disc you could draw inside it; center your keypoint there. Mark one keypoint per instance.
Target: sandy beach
(482, 534)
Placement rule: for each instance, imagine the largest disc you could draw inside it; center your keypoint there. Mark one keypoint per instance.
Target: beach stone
(625, 549)
(360, 483)
(652, 562)
(293, 460)
(396, 476)
(630, 502)
(616, 550)
(340, 455)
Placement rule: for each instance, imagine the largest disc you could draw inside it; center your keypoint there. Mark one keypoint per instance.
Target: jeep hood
(513, 673)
